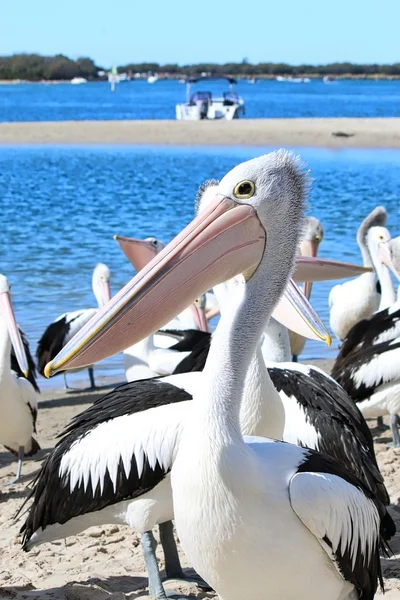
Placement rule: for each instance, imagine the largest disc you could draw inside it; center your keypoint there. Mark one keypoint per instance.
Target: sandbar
(318, 132)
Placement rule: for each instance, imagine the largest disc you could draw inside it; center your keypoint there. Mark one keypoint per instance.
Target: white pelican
(256, 517)
(312, 236)
(368, 364)
(58, 333)
(142, 422)
(18, 398)
(359, 298)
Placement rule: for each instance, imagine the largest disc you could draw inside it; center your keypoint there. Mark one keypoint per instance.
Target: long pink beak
(309, 248)
(385, 257)
(222, 241)
(15, 336)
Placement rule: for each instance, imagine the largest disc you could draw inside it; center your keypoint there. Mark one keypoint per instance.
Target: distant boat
(78, 80)
(293, 79)
(201, 105)
(152, 78)
(252, 80)
(328, 79)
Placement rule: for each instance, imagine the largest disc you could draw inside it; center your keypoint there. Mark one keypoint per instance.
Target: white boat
(78, 80)
(201, 105)
(293, 79)
(152, 78)
(328, 79)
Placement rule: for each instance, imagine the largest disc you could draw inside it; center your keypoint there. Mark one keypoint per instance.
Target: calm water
(140, 100)
(61, 206)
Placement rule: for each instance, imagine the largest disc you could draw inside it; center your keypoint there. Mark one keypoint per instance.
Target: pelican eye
(317, 238)
(244, 189)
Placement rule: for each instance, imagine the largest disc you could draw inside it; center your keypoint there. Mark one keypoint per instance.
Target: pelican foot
(196, 579)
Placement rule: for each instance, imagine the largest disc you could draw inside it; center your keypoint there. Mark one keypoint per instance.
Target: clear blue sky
(189, 31)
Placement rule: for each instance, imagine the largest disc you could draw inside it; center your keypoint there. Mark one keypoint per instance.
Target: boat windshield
(200, 97)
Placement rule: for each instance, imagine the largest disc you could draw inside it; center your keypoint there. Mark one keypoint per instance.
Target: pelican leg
(173, 567)
(294, 358)
(19, 466)
(91, 377)
(66, 386)
(156, 588)
(394, 426)
(380, 424)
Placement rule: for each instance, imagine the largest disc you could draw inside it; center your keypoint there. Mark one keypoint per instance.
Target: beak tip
(328, 340)
(48, 370)
(115, 237)
(26, 373)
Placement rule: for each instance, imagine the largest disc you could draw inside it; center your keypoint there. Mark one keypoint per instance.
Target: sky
(192, 31)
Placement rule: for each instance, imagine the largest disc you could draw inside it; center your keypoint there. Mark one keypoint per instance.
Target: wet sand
(106, 562)
(330, 133)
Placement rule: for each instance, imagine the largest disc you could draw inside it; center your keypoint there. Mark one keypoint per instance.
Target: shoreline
(297, 132)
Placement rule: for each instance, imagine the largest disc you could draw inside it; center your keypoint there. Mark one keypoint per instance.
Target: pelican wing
(369, 368)
(343, 517)
(118, 449)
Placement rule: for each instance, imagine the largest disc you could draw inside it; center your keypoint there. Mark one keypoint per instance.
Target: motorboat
(78, 80)
(152, 78)
(202, 105)
(293, 79)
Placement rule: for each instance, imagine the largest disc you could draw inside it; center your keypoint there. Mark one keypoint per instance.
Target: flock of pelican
(266, 465)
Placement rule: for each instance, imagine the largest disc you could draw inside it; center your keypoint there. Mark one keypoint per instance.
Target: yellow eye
(382, 238)
(244, 189)
(317, 238)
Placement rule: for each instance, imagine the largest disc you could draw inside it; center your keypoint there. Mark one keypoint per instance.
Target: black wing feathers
(54, 502)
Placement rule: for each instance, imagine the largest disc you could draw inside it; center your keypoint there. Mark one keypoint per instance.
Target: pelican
(256, 517)
(313, 234)
(58, 333)
(18, 398)
(361, 297)
(142, 422)
(367, 366)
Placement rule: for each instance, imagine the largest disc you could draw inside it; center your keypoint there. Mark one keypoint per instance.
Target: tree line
(34, 67)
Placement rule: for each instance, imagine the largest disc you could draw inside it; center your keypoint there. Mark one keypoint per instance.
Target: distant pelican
(359, 298)
(313, 234)
(18, 398)
(368, 364)
(58, 333)
(256, 518)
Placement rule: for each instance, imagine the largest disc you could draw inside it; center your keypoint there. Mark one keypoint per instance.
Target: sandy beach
(107, 563)
(329, 133)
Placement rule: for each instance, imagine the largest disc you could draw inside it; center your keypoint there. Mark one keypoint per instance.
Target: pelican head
(7, 313)
(101, 284)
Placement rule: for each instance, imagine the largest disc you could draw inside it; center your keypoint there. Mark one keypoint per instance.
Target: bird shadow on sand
(78, 397)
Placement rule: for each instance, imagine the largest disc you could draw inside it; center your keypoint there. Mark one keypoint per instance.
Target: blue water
(140, 100)
(60, 208)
